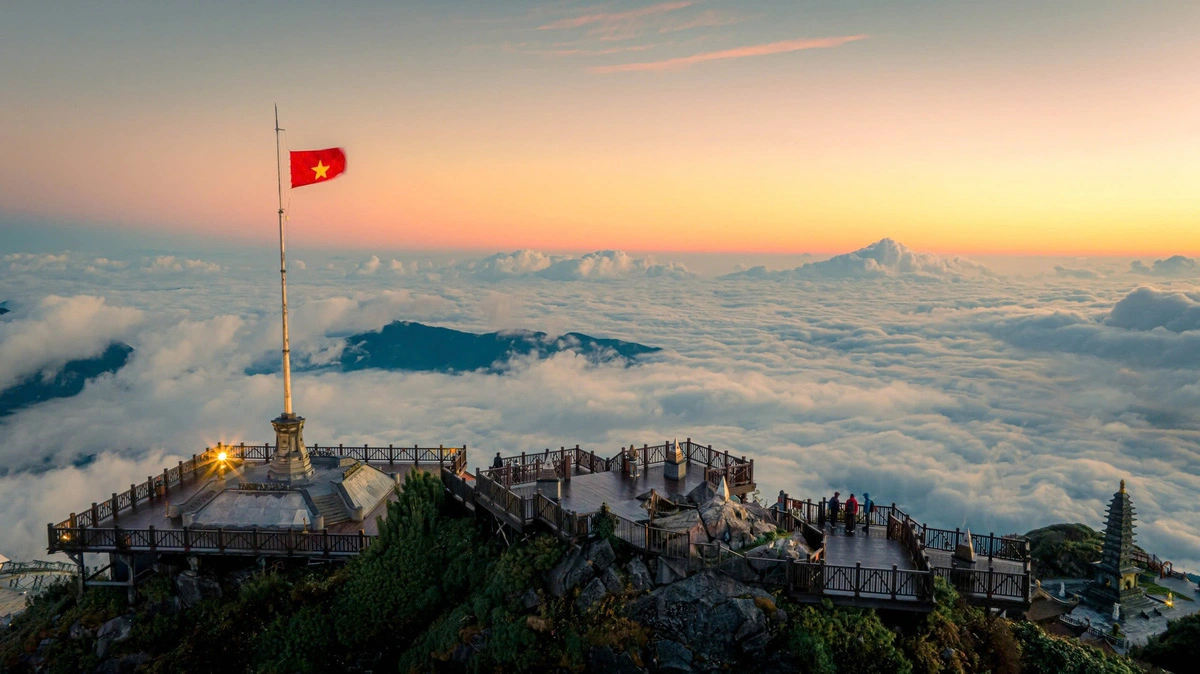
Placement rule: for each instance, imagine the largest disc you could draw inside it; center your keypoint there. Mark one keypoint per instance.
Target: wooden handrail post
(95, 514)
(153, 541)
(133, 497)
(990, 582)
(895, 578)
(221, 539)
(857, 578)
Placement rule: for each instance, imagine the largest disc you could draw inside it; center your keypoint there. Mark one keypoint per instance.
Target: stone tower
(1116, 578)
(290, 464)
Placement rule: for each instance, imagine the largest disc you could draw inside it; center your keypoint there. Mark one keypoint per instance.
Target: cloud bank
(1000, 402)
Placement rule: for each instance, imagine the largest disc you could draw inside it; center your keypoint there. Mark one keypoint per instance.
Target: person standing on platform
(851, 514)
(868, 507)
(497, 462)
(835, 507)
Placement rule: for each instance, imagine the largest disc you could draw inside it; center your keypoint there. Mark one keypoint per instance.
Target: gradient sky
(775, 126)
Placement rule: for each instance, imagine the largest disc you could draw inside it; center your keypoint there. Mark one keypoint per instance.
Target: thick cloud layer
(1000, 402)
(605, 265)
(56, 330)
(1176, 266)
(882, 258)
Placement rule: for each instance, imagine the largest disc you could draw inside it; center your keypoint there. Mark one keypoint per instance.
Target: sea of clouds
(971, 395)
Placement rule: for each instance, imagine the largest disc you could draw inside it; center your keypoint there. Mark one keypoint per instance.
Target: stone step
(331, 508)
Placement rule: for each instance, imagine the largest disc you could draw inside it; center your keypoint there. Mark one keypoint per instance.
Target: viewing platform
(223, 503)
(210, 505)
(570, 492)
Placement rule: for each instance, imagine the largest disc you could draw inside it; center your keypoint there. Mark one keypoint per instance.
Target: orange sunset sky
(973, 127)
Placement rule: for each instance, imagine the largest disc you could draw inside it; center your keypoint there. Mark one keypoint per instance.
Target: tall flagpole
(287, 359)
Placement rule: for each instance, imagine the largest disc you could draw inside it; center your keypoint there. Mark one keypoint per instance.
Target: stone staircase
(331, 507)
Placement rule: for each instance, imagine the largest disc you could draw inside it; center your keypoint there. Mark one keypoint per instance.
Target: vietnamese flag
(317, 166)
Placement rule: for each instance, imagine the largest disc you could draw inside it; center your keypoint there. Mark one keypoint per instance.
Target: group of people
(849, 511)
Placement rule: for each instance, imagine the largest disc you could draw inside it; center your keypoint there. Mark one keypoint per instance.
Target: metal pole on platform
(287, 360)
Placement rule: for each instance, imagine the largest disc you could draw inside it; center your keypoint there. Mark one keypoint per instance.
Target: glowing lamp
(222, 456)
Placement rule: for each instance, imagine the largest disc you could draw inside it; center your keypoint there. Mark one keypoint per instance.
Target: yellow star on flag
(320, 169)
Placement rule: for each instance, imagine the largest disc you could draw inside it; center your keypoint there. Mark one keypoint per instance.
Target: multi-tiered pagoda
(1116, 576)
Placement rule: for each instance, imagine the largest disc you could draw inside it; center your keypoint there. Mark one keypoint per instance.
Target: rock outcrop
(194, 587)
(711, 616)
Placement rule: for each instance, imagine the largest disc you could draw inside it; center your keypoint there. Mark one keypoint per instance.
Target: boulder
(736, 525)
(592, 593)
(727, 522)
(194, 587)
(612, 580)
(668, 572)
(672, 656)
(714, 616)
(572, 570)
(117, 629)
(600, 554)
(684, 521)
(639, 575)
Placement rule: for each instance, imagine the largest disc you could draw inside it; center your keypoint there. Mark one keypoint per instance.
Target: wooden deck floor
(873, 550)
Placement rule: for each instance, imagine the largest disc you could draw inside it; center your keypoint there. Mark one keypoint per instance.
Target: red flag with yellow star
(317, 166)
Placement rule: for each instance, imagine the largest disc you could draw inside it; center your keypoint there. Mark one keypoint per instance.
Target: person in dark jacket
(868, 507)
(851, 514)
(835, 507)
(497, 462)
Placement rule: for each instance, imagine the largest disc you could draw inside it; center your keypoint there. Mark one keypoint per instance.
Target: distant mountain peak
(884, 258)
(411, 346)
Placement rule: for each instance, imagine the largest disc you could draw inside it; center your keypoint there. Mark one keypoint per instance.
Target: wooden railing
(523, 468)
(201, 466)
(738, 471)
(816, 578)
(226, 541)
(457, 485)
(986, 582)
(1164, 568)
(663, 542)
(502, 498)
(985, 545)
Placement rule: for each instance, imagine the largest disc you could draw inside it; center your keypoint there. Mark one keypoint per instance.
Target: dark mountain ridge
(69, 380)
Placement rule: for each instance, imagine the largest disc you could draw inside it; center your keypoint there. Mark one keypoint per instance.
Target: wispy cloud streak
(706, 19)
(737, 52)
(616, 17)
(580, 52)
